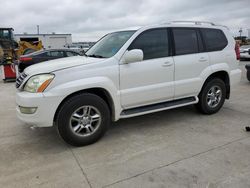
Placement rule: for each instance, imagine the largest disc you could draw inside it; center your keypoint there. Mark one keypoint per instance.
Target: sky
(88, 20)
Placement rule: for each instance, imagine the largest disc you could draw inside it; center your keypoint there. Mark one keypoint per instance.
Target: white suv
(130, 73)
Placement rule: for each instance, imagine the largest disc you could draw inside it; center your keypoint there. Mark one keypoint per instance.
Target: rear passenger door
(190, 61)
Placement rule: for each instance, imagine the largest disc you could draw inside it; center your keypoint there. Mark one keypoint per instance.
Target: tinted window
(44, 54)
(69, 54)
(4, 34)
(153, 43)
(214, 38)
(55, 54)
(185, 41)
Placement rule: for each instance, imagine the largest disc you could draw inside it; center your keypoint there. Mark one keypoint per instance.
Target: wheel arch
(224, 76)
(101, 92)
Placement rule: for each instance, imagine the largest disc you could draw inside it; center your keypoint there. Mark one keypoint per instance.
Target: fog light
(27, 110)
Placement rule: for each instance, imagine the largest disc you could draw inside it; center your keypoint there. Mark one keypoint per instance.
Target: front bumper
(46, 108)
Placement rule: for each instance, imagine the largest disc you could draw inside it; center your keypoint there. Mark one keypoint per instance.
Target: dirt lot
(175, 148)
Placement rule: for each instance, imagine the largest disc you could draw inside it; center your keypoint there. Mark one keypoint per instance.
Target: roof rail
(194, 22)
(197, 23)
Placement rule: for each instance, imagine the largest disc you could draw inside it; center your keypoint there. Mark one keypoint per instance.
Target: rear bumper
(235, 76)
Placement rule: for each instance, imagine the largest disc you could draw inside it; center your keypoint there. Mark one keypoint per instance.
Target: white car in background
(245, 52)
(130, 73)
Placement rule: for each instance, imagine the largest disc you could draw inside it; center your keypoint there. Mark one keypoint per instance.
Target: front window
(5, 34)
(153, 43)
(109, 45)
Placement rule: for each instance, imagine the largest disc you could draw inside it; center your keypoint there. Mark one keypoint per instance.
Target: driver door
(151, 80)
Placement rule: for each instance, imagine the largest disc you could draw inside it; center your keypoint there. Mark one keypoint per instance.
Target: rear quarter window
(215, 39)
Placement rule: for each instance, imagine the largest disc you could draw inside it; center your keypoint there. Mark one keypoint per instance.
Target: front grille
(20, 79)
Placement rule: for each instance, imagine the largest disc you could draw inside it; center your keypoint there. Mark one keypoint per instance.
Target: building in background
(49, 41)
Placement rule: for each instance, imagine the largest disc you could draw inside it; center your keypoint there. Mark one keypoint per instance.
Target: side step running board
(158, 107)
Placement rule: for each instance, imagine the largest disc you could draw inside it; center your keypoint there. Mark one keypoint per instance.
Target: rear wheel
(212, 96)
(83, 119)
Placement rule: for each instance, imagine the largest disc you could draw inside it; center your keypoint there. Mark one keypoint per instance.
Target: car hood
(58, 64)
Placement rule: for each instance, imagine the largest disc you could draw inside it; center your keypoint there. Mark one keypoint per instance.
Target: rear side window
(69, 54)
(185, 41)
(44, 54)
(153, 43)
(55, 54)
(215, 39)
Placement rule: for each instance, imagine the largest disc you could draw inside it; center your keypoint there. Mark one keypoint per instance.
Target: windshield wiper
(97, 56)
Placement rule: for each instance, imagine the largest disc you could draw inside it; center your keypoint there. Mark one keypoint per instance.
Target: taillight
(237, 51)
(25, 59)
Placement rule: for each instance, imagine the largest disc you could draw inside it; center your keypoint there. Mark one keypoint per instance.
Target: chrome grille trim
(20, 79)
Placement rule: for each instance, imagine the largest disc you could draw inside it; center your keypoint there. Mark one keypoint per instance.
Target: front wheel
(212, 96)
(83, 119)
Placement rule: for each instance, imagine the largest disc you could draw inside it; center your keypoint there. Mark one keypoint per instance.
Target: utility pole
(240, 31)
(37, 29)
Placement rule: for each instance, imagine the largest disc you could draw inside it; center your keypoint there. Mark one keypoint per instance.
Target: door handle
(167, 64)
(202, 59)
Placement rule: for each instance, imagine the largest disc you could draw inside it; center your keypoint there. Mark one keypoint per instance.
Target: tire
(248, 72)
(84, 127)
(207, 101)
(248, 75)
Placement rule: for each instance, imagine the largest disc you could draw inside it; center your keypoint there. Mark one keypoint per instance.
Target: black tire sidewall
(248, 75)
(203, 96)
(69, 107)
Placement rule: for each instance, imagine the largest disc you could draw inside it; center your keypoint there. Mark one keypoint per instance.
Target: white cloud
(89, 20)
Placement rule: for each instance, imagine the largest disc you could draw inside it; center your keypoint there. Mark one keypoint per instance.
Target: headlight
(38, 83)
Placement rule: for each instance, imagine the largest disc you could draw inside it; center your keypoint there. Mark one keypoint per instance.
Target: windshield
(109, 45)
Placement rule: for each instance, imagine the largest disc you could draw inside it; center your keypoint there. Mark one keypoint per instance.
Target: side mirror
(133, 56)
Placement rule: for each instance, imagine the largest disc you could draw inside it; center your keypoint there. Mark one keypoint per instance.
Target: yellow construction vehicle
(7, 42)
(28, 47)
(8, 46)
(10, 51)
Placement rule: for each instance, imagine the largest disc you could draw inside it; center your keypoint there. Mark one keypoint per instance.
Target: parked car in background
(130, 73)
(245, 52)
(44, 55)
(248, 72)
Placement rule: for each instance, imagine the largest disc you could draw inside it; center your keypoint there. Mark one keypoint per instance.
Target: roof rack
(196, 23)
